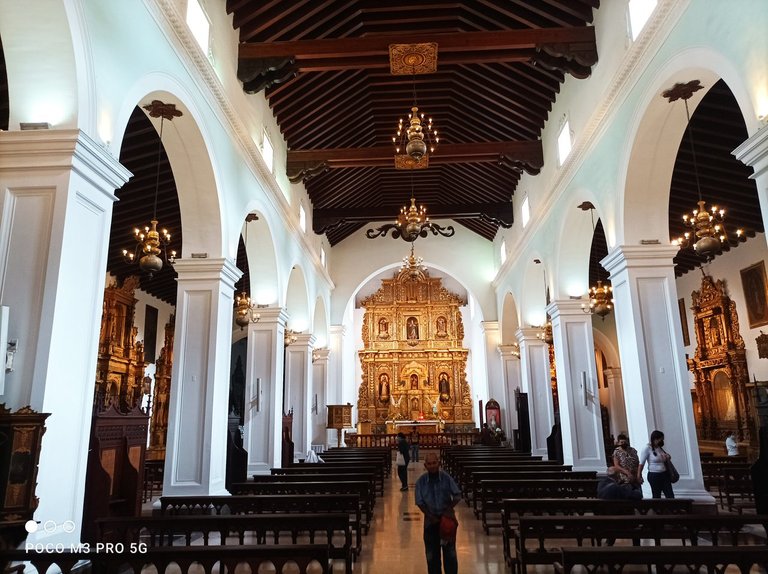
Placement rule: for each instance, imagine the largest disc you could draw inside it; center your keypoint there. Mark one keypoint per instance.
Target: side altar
(413, 362)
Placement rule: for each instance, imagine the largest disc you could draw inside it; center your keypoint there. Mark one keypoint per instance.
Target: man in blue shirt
(436, 495)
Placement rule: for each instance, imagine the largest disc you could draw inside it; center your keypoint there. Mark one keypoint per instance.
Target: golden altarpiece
(158, 426)
(721, 397)
(413, 363)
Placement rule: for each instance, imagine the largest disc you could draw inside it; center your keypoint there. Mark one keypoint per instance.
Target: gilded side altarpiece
(413, 363)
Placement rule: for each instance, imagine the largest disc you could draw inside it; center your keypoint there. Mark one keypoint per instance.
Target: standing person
(732, 444)
(415, 445)
(658, 476)
(626, 461)
(436, 495)
(402, 463)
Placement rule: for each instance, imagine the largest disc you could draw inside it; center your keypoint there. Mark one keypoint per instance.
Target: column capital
(321, 355)
(529, 335)
(488, 326)
(338, 330)
(223, 269)
(304, 340)
(754, 152)
(63, 149)
(625, 256)
(509, 351)
(567, 307)
(270, 316)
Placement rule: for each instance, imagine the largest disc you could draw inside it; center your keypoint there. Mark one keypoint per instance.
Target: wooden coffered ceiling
(325, 68)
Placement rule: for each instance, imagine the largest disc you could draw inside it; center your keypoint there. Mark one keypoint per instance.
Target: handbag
(400, 459)
(674, 476)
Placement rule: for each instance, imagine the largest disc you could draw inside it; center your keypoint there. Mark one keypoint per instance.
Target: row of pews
(549, 515)
(307, 514)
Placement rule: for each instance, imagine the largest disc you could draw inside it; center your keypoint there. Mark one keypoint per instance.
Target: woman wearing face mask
(625, 459)
(658, 476)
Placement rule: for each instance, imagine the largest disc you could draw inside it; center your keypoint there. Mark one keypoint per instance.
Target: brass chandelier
(600, 296)
(707, 230)
(413, 266)
(151, 243)
(245, 309)
(411, 223)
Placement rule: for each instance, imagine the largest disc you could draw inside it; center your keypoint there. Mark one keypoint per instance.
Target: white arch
(571, 270)
(607, 346)
(320, 323)
(297, 300)
(58, 103)
(262, 261)
(654, 136)
(510, 320)
(533, 295)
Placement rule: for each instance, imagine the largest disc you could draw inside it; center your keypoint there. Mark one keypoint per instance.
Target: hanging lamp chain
(157, 175)
(693, 149)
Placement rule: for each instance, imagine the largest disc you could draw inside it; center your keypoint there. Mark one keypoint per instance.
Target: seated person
(609, 487)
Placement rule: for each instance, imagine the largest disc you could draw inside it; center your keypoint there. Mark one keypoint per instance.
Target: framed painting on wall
(753, 282)
(684, 322)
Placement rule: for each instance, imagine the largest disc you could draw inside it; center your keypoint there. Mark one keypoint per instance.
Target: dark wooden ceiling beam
(326, 219)
(527, 153)
(578, 40)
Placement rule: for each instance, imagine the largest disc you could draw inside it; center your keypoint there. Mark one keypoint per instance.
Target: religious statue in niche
(412, 326)
(441, 328)
(383, 328)
(444, 387)
(383, 387)
(762, 345)
(415, 404)
(714, 332)
(414, 382)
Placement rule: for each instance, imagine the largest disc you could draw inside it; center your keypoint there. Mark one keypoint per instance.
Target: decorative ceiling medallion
(403, 161)
(411, 59)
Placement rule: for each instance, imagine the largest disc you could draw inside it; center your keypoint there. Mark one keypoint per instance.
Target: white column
(197, 419)
(319, 414)
(754, 153)
(57, 189)
(535, 381)
(510, 368)
(264, 390)
(494, 374)
(617, 408)
(577, 388)
(298, 387)
(656, 388)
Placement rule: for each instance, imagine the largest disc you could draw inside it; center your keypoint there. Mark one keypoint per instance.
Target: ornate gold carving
(403, 161)
(410, 59)
(413, 335)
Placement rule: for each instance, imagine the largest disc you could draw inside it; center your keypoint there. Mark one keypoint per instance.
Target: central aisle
(394, 544)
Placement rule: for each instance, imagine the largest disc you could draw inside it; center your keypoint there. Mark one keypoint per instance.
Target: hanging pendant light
(600, 296)
(246, 310)
(546, 329)
(707, 228)
(151, 244)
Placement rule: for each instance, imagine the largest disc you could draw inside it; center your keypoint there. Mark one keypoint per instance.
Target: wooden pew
(737, 489)
(454, 464)
(465, 468)
(361, 488)
(380, 455)
(513, 508)
(551, 533)
(694, 559)
(335, 468)
(184, 530)
(492, 492)
(209, 559)
(474, 487)
(269, 504)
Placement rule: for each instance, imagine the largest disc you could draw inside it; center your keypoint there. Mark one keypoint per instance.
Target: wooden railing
(426, 440)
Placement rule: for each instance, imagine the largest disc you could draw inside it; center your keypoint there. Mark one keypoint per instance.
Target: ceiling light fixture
(546, 329)
(245, 310)
(415, 140)
(707, 228)
(151, 244)
(413, 267)
(411, 223)
(600, 296)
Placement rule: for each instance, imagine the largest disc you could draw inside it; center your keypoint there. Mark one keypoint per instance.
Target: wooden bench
(269, 504)
(336, 468)
(361, 488)
(477, 479)
(665, 558)
(465, 470)
(513, 508)
(381, 456)
(184, 530)
(551, 533)
(209, 559)
(737, 489)
(713, 469)
(492, 492)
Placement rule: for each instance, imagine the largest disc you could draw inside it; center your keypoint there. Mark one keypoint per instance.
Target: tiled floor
(394, 544)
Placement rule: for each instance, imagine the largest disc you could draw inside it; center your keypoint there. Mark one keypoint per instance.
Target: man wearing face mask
(658, 476)
(626, 462)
